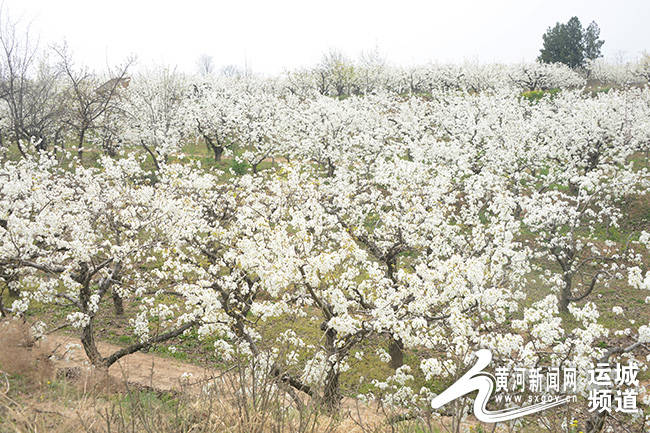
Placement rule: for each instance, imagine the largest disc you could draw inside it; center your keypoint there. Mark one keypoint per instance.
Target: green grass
(535, 95)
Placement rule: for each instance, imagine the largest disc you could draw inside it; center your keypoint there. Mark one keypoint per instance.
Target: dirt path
(143, 369)
(163, 374)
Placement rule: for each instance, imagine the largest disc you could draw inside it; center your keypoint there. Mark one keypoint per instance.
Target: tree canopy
(571, 44)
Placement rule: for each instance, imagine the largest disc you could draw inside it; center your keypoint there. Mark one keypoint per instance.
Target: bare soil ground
(146, 370)
(162, 374)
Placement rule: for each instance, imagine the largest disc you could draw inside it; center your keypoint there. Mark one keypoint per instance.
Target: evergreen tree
(571, 44)
(591, 42)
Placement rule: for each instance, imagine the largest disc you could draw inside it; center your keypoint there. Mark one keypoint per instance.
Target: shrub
(239, 167)
(536, 95)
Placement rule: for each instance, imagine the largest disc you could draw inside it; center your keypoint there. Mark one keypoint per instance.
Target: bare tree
(91, 99)
(18, 56)
(337, 70)
(205, 64)
(28, 87)
(232, 71)
(371, 68)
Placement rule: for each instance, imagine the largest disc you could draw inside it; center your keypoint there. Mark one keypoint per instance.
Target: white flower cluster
(415, 221)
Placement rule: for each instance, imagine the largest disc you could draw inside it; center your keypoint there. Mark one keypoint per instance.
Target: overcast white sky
(275, 35)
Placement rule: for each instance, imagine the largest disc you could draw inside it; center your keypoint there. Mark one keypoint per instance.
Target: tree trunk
(396, 351)
(330, 168)
(565, 295)
(41, 145)
(80, 145)
(218, 151)
(152, 154)
(117, 303)
(88, 341)
(20, 148)
(331, 392)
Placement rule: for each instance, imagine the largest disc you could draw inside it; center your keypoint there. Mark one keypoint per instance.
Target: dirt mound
(22, 355)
